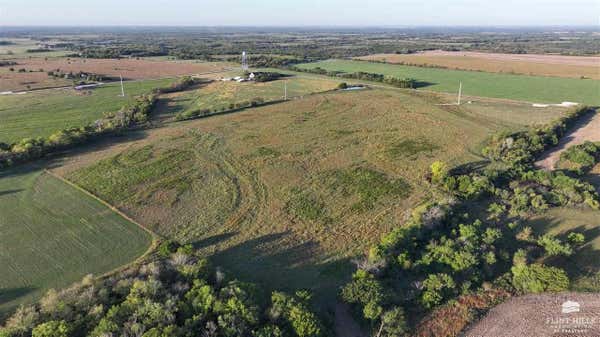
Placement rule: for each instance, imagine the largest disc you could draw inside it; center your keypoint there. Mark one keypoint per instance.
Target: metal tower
(244, 62)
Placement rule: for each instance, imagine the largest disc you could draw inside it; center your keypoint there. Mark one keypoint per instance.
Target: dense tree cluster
(79, 76)
(391, 80)
(177, 296)
(579, 159)
(265, 76)
(198, 113)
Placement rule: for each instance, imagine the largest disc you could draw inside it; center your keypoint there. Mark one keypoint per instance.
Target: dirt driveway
(587, 129)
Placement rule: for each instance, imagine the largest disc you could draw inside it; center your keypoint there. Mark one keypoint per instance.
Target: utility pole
(459, 93)
(122, 89)
(285, 90)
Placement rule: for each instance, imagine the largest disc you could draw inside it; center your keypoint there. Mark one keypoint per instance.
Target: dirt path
(588, 129)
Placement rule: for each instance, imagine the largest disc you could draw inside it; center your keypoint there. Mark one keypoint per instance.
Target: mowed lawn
(41, 113)
(536, 89)
(52, 235)
(287, 194)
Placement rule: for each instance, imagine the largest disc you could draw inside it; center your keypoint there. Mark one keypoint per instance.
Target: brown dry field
(586, 130)
(130, 69)
(527, 64)
(539, 315)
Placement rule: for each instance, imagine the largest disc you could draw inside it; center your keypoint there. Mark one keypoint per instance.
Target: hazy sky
(300, 12)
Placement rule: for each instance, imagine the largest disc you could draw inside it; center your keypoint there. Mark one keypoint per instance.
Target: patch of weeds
(267, 152)
(341, 133)
(369, 186)
(306, 206)
(411, 148)
(138, 156)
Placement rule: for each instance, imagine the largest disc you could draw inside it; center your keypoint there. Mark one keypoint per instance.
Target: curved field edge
(54, 234)
(537, 89)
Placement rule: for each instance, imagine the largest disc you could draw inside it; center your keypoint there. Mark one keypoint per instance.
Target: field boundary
(155, 237)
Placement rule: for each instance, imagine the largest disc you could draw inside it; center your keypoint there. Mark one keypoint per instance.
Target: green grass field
(219, 95)
(517, 87)
(41, 113)
(52, 235)
(286, 194)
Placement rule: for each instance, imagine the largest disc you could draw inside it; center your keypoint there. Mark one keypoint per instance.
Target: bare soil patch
(527, 64)
(130, 69)
(588, 129)
(541, 316)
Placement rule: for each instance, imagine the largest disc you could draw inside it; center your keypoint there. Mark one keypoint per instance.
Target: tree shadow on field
(422, 84)
(585, 257)
(7, 192)
(10, 294)
(277, 262)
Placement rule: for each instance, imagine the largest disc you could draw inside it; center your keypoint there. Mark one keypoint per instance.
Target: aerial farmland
(184, 181)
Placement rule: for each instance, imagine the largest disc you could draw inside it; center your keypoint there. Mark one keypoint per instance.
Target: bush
(537, 278)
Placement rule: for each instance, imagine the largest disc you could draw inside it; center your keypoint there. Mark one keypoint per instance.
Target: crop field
(52, 235)
(285, 194)
(219, 95)
(35, 75)
(40, 113)
(528, 64)
(535, 89)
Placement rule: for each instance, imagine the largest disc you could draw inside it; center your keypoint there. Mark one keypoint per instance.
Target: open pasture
(537, 89)
(524, 64)
(52, 235)
(285, 194)
(41, 113)
(220, 95)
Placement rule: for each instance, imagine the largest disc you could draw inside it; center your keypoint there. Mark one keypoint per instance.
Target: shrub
(537, 278)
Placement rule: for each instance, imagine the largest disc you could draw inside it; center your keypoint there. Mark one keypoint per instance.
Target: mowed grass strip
(536, 89)
(41, 113)
(52, 234)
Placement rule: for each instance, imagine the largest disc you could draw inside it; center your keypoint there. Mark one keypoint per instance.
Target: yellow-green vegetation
(41, 113)
(53, 234)
(285, 194)
(219, 95)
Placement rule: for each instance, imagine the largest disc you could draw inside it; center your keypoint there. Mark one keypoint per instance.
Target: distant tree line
(372, 77)
(177, 294)
(198, 113)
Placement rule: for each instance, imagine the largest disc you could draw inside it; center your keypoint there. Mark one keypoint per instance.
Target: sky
(300, 12)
